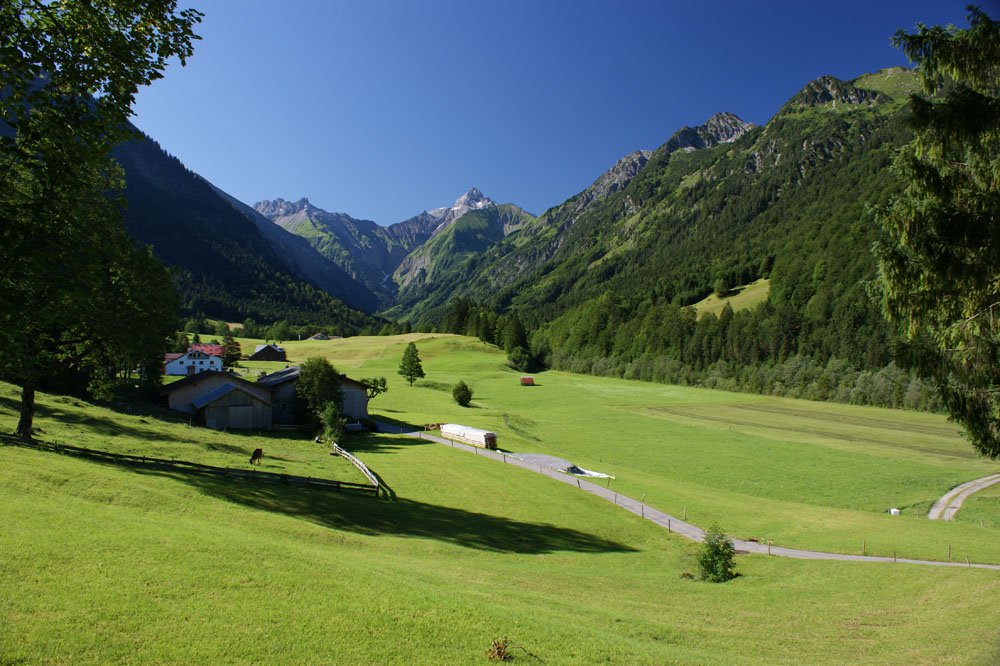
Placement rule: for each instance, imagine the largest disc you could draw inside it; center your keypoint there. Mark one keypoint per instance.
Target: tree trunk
(27, 408)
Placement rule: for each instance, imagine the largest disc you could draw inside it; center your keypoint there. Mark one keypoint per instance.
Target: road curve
(671, 523)
(949, 504)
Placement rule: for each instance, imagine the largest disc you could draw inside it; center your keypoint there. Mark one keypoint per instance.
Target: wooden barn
(234, 406)
(474, 436)
(355, 398)
(267, 353)
(181, 395)
(282, 386)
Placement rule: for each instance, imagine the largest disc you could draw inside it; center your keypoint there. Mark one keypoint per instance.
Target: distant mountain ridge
(366, 251)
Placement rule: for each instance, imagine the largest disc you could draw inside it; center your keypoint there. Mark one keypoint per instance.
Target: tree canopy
(939, 256)
(78, 293)
(410, 366)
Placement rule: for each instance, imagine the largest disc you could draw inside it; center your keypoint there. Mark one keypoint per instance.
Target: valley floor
(111, 564)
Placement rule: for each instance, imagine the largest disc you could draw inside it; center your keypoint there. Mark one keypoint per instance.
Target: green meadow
(116, 564)
(740, 298)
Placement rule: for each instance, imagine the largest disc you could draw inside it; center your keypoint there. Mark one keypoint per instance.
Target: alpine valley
(733, 255)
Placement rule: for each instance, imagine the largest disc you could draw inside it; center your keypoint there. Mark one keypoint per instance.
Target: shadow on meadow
(400, 517)
(98, 425)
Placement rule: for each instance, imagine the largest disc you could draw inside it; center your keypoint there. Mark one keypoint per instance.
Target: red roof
(527, 381)
(214, 350)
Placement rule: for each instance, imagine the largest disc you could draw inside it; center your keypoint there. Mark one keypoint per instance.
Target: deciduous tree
(73, 284)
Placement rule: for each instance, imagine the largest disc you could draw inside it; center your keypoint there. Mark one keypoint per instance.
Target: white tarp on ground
(559, 464)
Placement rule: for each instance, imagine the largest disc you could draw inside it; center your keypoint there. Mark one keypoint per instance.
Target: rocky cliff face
(831, 90)
(721, 128)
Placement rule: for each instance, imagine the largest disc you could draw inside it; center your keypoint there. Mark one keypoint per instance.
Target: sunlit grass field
(110, 564)
(803, 474)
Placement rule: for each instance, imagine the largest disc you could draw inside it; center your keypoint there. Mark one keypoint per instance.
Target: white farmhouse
(192, 363)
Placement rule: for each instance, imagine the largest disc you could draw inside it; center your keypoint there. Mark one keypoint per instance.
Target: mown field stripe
(665, 520)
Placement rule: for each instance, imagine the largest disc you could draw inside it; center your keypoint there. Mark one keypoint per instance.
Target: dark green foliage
(462, 393)
(77, 295)
(410, 366)
(233, 350)
(940, 249)
(318, 386)
(332, 421)
(716, 559)
(180, 344)
(374, 386)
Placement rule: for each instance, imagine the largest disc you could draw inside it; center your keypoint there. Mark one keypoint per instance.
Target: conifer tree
(939, 257)
(410, 366)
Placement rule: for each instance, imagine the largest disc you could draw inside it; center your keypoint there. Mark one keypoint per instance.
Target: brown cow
(257, 455)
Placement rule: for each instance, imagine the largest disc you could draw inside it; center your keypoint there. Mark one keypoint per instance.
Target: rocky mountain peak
(472, 200)
(281, 208)
(831, 90)
(721, 128)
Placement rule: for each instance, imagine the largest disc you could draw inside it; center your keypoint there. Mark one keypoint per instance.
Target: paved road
(946, 507)
(671, 523)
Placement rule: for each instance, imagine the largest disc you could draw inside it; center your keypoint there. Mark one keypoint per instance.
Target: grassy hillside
(110, 564)
(740, 298)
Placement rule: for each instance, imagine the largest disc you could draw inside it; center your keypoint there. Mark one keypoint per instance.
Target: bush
(333, 422)
(462, 394)
(716, 559)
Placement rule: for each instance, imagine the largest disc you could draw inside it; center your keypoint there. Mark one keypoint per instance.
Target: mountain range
(724, 201)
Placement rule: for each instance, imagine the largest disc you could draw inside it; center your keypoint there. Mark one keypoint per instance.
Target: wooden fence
(198, 468)
(357, 463)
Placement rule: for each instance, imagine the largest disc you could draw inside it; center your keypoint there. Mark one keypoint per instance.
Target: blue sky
(384, 108)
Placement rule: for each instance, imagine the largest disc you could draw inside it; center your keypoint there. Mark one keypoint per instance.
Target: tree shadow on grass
(372, 443)
(98, 425)
(401, 517)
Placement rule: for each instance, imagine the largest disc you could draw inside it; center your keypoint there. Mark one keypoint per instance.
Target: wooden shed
(527, 381)
(267, 353)
(474, 436)
(232, 406)
(355, 398)
(282, 386)
(181, 395)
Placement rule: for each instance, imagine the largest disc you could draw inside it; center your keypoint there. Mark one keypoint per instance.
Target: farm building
(182, 394)
(268, 353)
(234, 406)
(355, 398)
(474, 436)
(282, 386)
(213, 350)
(319, 336)
(527, 381)
(191, 363)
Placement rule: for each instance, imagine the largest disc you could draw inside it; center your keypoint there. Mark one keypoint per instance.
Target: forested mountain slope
(604, 284)
(223, 266)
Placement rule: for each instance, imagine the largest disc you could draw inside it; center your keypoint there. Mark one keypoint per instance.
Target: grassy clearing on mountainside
(740, 298)
(115, 564)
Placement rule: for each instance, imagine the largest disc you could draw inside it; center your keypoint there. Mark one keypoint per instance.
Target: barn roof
(197, 378)
(280, 377)
(275, 347)
(219, 392)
